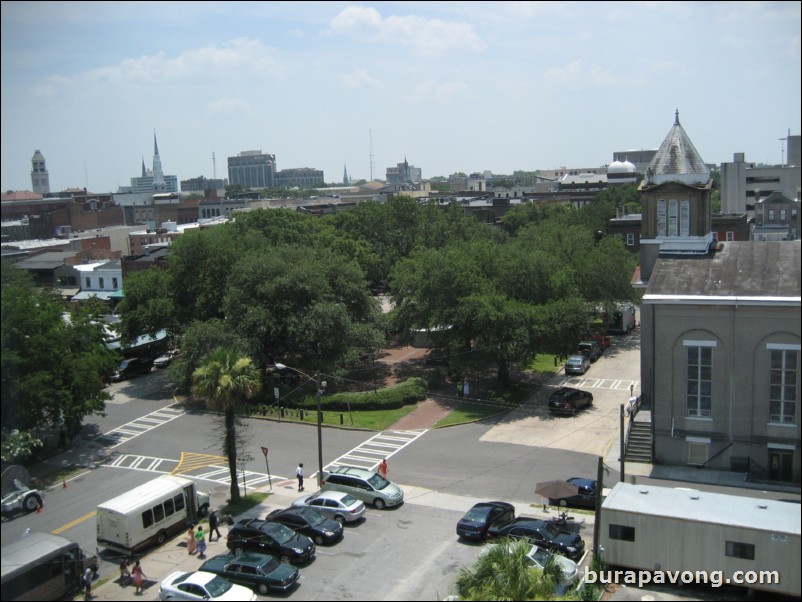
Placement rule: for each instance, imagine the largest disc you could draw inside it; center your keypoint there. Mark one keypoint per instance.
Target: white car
(200, 585)
(342, 507)
(539, 557)
(164, 360)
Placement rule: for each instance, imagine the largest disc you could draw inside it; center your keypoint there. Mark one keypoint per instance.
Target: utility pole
(782, 148)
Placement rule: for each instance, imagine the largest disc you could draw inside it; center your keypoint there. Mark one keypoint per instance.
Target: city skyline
(450, 86)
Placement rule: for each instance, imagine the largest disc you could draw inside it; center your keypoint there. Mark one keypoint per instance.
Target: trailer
(622, 319)
(673, 533)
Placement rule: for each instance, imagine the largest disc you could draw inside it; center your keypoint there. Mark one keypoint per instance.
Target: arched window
(685, 218)
(672, 217)
(661, 218)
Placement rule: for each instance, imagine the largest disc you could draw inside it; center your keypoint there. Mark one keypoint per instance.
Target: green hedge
(409, 392)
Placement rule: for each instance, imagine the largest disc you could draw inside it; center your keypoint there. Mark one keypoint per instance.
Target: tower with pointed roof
(345, 175)
(676, 202)
(40, 179)
(158, 174)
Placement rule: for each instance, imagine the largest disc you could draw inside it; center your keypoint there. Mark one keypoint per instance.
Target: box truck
(680, 533)
(622, 319)
(150, 513)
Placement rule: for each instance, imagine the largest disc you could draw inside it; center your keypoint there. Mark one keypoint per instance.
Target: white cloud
(227, 105)
(359, 78)
(427, 36)
(241, 56)
(578, 74)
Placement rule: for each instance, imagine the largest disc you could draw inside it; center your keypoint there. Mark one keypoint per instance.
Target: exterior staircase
(639, 442)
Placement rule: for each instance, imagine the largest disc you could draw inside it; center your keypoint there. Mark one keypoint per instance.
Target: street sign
(264, 451)
(275, 392)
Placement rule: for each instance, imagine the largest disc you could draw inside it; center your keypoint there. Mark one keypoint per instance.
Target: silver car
(366, 485)
(336, 505)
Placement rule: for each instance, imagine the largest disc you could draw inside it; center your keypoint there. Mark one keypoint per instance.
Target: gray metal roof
(749, 269)
(677, 158)
(45, 261)
(705, 507)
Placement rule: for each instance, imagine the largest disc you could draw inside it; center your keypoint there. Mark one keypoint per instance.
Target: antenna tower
(371, 155)
(214, 166)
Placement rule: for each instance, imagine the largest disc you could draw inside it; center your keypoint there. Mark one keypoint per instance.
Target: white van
(150, 514)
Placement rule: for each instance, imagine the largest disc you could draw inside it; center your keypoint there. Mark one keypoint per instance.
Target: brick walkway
(425, 416)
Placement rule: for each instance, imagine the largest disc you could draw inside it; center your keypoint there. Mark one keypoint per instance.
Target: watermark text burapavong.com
(713, 578)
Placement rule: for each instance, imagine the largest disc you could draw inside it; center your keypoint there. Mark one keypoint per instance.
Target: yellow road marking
(190, 461)
(77, 521)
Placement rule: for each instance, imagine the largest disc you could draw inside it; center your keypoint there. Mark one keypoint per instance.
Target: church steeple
(345, 175)
(40, 179)
(158, 174)
(677, 159)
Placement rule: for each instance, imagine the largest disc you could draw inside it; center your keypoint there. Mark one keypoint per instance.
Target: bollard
(63, 484)
(301, 415)
(342, 419)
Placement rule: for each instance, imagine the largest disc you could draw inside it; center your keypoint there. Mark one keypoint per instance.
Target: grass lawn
(495, 401)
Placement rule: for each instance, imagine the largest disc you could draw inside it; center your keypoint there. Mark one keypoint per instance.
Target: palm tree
(224, 378)
(503, 573)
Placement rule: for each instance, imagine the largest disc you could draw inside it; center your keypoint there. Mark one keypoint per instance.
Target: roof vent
(763, 506)
(644, 491)
(695, 496)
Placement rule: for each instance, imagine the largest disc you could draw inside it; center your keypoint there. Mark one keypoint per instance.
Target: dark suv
(591, 349)
(254, 535)
(567, 400)
(585, 496)
(133, 366)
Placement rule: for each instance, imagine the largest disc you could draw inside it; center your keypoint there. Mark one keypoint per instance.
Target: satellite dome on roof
(629, 166)
(616, 167)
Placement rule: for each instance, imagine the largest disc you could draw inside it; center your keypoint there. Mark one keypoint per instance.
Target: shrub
(409, 392)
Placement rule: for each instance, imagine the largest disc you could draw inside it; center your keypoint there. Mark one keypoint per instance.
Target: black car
(543, 534)
(567, 400)
(310, 522)
(261, 572)
(584, 498)
(254, 535)
(482, 516)
(131, 367)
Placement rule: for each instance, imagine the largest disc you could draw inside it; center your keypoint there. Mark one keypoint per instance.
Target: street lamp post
(319, 387)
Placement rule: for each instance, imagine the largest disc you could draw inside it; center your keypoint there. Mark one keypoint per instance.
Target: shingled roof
(769, 270)
(677, 159)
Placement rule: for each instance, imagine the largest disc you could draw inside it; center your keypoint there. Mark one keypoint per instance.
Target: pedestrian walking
(466, 390)
(200, 541)
(89, 574)
(299, 472)
(214, 524)
(139, 577)
(125, 574)
(192, 547)
(383, 468)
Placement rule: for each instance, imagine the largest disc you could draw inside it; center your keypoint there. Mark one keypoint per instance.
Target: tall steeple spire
(144, 169)
(158, 174)
(345, 174)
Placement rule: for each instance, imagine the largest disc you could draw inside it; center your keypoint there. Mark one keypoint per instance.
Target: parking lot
(589, 430)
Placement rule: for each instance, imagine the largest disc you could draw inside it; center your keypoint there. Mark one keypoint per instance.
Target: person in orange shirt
(383, 468)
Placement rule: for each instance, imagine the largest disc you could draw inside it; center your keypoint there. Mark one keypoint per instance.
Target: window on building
(661, 218)
(685, 218)
(698, 453)
(114, 284)
(783, 385)
(737, 549)
(700, 380)
(672, 217)
(782, 215)
(622, 532)
(730, 235)
(100, 282)
(630, 240)
(88, 282)
(771, 215)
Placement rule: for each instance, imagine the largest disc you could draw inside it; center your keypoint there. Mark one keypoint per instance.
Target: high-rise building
(40, 179)
(252, 169)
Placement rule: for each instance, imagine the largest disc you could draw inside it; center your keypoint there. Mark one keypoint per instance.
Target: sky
(448, 86)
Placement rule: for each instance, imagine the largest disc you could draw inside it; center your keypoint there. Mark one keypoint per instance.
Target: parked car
(260, 572)
(200, 585)
(602, 340)
(577, 364)
(584, 498)
(310, 522)
(254, 535)
(590, 348)
(567, 400)
(164, 360)
(131, 367)
(482, 516)
(366, 485)
(540, 558)
(342, 507)
(542, 533)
